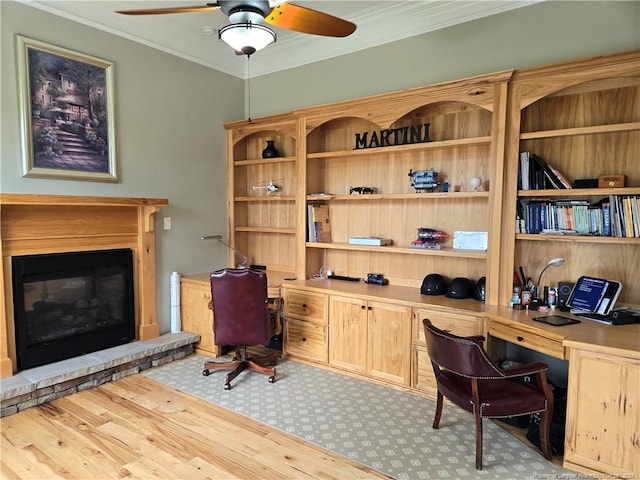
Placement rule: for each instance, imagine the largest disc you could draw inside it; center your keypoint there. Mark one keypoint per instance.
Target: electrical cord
(322, 274)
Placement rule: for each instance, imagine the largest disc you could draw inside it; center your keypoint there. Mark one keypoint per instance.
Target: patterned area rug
(387, 430)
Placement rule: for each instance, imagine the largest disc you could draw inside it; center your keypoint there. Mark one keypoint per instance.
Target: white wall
(170, 139)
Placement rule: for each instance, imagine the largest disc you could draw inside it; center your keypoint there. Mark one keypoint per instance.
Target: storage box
(470, 240)
(375, 241)
(611, 181)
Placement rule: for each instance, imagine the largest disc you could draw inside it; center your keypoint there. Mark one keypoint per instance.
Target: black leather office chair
(241, 318)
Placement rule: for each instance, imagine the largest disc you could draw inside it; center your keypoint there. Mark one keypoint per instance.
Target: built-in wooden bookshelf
(582, 117)
(262, 223)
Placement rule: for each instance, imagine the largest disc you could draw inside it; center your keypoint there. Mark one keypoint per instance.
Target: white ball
(475, 182)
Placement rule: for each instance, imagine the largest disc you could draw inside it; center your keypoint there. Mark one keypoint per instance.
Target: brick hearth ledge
(39, 385)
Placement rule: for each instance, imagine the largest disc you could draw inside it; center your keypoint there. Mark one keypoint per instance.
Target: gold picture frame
(66, 113)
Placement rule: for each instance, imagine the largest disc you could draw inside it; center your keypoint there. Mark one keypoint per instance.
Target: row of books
(614, 216)
(536, 174)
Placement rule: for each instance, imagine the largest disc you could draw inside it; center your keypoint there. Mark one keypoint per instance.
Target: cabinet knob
(363, 307)
(520, 338)
(304, 305)
(368, 308)
(304, 339)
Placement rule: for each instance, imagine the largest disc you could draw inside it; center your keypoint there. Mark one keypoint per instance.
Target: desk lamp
(245, 259)
(554, 262)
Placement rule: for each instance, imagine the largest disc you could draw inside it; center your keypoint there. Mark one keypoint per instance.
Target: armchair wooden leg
(545, 434)
(438, 414)
(478, 440)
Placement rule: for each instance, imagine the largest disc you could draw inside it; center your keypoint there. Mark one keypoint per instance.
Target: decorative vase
(270, 150)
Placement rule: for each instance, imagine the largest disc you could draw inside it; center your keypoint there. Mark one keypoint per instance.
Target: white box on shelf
(374, 241)
(470, 240)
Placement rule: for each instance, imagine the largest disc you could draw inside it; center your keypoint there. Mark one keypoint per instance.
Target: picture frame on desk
(66, 113)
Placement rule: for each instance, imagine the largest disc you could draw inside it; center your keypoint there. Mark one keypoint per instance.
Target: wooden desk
(195, 314)
(274, 281)
(603, 401)
(518, 327)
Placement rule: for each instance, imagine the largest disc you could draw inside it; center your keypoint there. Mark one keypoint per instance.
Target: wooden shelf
(568, 132)
(463, 142)
(542, 237)
(286, 231)
(262, 161)
(257, 198)
(398, 196)
(580, 192)
(445, 252)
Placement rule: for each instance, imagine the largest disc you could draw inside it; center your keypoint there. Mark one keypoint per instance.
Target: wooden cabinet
(583, 118)
(348, 333)
(262, 192)
(603, 412)
(195, 314)
(371, 338)
(305, 325)
(465, 125)
(422, 376)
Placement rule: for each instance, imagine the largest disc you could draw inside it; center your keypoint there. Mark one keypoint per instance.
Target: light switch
(167, 223)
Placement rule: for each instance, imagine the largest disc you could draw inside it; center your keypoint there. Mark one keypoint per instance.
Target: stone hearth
(43, 384)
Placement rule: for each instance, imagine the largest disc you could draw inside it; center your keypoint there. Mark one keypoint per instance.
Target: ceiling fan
(248, 33)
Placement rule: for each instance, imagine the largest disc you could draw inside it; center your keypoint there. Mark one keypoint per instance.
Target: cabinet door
(348, 333)
(603, 414)
(389, 335)
(196, 316)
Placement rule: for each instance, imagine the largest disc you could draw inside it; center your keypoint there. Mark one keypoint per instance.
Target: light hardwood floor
(138, 428)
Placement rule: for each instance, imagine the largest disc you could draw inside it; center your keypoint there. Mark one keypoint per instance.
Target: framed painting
(66, 113)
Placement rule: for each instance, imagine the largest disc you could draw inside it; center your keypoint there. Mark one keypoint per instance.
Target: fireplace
(69, 304)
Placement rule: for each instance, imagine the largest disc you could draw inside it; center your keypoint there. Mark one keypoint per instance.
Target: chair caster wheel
(205, 372)
(272, 379)
(227, 386)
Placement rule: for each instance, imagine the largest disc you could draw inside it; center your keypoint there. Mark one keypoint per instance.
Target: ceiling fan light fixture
(247, 37)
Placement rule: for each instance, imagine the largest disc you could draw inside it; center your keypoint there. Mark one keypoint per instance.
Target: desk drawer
(534, 341)
(306, 340)
(461, 325)
(308, 306)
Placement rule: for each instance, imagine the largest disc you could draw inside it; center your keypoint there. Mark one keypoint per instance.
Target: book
(550, 179)
(524, 170)
(319, 224)
(375, 241)
(564, 180)
(534, 173)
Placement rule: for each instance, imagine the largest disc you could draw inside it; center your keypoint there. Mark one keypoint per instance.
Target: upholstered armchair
(466, 377)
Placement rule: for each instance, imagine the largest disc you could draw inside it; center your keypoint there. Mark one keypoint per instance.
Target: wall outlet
(166, 223)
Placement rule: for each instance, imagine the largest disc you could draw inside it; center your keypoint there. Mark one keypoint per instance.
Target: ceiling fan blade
(306, 20)
(162, 11)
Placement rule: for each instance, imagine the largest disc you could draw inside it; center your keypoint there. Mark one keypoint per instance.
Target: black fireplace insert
(70, 304)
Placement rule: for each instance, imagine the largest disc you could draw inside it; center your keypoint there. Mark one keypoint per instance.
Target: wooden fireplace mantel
(35, 224)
